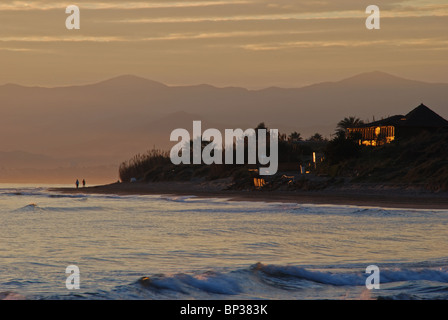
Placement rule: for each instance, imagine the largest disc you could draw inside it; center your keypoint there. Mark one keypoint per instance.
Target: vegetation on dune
(421, 161)
(141, 163)
(156, 165)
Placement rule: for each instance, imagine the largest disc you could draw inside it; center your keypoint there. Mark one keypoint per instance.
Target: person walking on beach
(77, 183)
(83, 183)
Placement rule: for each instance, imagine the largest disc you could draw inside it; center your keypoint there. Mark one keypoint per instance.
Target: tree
(295, 137)
(317, 137)
(341, 148)
(350, 122)
(261, 125)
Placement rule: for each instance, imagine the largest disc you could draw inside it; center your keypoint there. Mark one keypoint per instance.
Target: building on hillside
(387, 130)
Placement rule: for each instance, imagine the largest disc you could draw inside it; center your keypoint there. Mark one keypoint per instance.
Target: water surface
(180, 247)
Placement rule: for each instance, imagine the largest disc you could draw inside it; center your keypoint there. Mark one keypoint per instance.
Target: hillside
(108, 122)
(419, 162)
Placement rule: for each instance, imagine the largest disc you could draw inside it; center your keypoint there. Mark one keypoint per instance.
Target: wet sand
(359, 195)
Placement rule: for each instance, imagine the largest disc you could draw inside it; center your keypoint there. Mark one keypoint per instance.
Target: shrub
(139, 165)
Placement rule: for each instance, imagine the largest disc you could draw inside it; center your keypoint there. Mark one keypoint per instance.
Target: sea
(168, 247)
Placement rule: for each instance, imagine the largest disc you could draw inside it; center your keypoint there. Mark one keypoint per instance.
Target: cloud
(353, 14)
(44, 39)
(21, 50)
(167, 37)
(239, 18)
(413, 43)
(119, 5)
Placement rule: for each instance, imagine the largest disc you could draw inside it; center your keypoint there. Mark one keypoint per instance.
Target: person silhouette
(83, 183)
(77, 183)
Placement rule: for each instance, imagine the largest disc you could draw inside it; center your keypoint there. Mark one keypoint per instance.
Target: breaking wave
(36, 208)
(261, 281)
(11, 296)
(355, 278)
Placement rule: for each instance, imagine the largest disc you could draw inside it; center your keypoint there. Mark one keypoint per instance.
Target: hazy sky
(251, 43)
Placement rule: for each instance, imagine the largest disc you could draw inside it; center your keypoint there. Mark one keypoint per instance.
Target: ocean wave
(260, 281)
(37, 192)
(11, 296)
(266, 278)
(353, 278)
(177, 198)
(346, 210)
(20, 193)
(70, 196)
(29, 208)
(299, 273)
(209, 282)
(36, 208)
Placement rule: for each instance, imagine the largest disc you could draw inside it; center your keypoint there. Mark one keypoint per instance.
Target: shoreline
(362, 195)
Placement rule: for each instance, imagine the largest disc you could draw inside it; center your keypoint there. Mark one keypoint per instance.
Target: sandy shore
(360, 195)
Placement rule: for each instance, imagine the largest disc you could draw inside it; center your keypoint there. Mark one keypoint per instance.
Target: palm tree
(317, 137)
(350, 122)
(295, 137)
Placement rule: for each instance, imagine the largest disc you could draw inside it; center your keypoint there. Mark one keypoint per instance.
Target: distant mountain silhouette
(110, 121)
(130, 81)
(375, 78)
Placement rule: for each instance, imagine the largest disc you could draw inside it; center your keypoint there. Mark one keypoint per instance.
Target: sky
(248, 43)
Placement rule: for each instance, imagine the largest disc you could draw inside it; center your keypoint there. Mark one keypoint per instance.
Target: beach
(368, 195)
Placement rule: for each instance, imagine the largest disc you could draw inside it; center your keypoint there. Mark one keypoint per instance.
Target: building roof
(421, 116)
(391, 121)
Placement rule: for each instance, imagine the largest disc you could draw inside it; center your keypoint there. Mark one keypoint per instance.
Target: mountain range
(105, 123)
